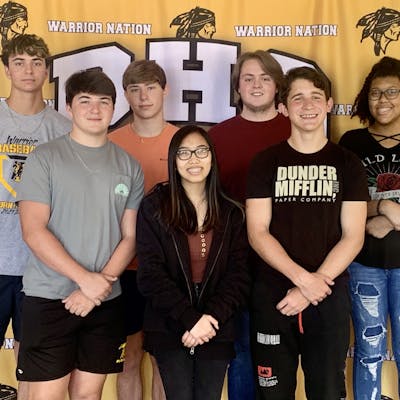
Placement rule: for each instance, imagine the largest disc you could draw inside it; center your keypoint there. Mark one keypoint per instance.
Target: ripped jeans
(375, 295)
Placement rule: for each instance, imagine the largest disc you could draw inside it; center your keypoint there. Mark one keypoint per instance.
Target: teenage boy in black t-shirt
(306, 212)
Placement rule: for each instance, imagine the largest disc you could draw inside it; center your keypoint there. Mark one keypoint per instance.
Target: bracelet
(378, 206)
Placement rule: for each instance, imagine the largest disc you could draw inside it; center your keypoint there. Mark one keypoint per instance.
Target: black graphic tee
(382, 166)
(307, 192)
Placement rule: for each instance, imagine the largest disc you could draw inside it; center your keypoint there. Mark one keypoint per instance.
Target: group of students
(242, 235)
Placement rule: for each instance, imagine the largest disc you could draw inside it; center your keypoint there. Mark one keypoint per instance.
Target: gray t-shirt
(87, 189)
(19, 135)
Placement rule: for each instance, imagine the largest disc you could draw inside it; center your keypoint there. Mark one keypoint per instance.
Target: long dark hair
(387, 66)
(176, 210)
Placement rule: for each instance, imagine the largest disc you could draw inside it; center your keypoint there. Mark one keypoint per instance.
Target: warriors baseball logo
(13, 20)
(382, 26)
(196, 23)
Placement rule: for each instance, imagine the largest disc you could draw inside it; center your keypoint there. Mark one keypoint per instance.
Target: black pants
(277, 344)
(187, 377)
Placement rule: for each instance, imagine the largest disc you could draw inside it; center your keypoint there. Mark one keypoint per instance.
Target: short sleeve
(355, 179)
(259, 179)
(137, 188)
(35, 183)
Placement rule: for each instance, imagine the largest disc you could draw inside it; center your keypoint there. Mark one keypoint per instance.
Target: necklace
(75, 150)
(15, 122)
(201, 211)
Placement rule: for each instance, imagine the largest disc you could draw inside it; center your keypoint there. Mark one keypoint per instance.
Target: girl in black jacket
(192, 250)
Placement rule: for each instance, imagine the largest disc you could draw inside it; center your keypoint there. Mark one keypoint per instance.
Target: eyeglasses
(186, 154)
(390, 94)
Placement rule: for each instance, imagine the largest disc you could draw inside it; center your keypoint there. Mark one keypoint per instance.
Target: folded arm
(383, 220)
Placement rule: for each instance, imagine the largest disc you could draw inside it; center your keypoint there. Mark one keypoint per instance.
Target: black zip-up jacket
(164, 278)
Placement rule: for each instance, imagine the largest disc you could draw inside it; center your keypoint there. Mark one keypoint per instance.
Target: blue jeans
(240, 371)
(375, 294)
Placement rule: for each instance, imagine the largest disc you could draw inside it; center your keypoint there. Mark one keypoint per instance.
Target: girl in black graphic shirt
(375, 274)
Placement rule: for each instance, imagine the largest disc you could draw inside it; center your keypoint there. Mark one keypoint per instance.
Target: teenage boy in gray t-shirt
(78, 204)
(25, 122)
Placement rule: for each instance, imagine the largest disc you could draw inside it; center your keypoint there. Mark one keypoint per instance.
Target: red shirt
(237, 141)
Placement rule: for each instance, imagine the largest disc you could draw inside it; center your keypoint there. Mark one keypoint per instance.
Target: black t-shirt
(382, 166)
(307, 191)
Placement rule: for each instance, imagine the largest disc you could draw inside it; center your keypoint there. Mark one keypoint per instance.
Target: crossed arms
(383, 220)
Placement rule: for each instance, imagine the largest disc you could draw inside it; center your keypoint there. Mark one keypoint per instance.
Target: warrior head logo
(382, 26)
(13, 20)
(196, 23)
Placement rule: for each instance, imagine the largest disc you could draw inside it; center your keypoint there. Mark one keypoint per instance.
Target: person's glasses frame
(390, 94)
(186, 154)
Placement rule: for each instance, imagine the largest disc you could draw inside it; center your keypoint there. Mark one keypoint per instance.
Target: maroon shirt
(199, 247)
(237, 141)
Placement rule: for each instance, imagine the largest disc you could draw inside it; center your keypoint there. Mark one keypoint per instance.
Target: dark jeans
(11, 297)
(277, 344)
(187, 377)
(240, 371)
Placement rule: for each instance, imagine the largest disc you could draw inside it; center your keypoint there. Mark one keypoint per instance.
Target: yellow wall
(323, 32)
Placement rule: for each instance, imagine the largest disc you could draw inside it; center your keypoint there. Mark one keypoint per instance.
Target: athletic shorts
(11, 296)
(54, 342)
(134, 302)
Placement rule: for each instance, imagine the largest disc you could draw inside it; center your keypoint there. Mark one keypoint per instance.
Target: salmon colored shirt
(151, 152)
